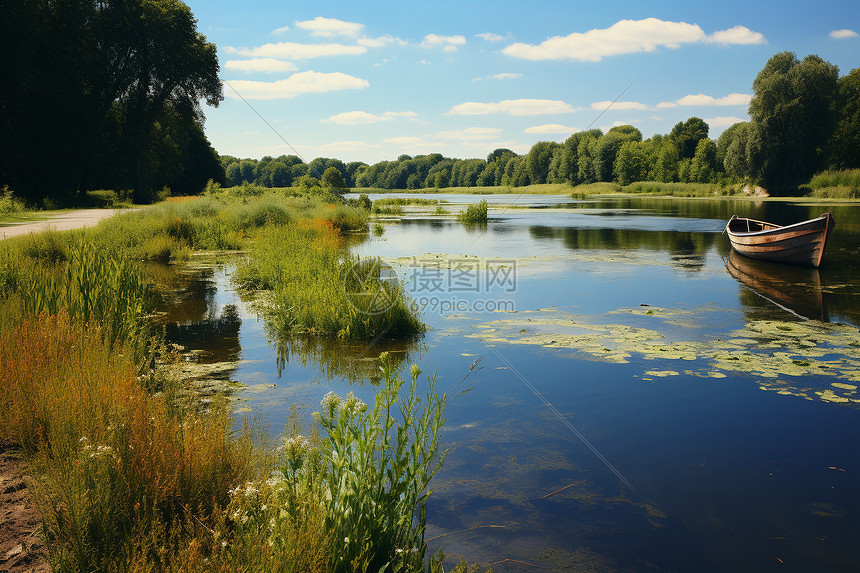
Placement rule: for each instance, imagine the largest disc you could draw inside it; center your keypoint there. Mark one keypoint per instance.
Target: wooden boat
(801, 243)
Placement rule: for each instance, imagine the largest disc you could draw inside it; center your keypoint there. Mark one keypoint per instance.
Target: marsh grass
(113, 461)
(350, 494)
(681, 189)
(474, 213)
(308, 285)
(843, 184)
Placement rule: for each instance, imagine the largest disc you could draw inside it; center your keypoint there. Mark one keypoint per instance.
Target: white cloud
(412, 144)
(517, 107)
(842, 34)
(297, 51)
(330, 27)
(280, 30)
(363, 117)
(666, 105)
(448, 43)
(501, 76)
(470, 133)
(490, 37)
(295, 85)
(702, 99)
(722, 121)
(623, 37)
(380, 41)
(619, 105)
(550, 129)
(736, 35)
(424, 62)
(267, 65)
(628, 37)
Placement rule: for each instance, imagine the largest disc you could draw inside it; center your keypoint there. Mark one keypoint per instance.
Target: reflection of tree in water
(217, 336)
(183, 296)
(687, 250)
(355, 362)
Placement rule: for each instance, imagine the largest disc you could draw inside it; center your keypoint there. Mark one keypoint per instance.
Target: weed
(474, 213)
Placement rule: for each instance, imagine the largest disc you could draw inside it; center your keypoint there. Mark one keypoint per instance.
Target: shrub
(474, 213)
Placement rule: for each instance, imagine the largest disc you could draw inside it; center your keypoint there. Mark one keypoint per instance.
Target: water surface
(639, 402)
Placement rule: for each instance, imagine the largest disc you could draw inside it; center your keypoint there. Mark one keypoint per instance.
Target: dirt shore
(60, 222)
(22, 549)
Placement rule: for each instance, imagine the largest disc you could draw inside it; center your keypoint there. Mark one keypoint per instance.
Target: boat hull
(801, 244)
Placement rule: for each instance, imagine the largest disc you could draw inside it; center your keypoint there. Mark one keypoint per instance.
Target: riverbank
(131, 475)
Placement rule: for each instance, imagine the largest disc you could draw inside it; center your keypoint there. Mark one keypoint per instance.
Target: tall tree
(687, 135)
(792, 112)
(844, 147)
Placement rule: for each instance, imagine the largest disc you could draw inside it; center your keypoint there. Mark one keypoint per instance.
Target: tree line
(803, 118)
(104, 94)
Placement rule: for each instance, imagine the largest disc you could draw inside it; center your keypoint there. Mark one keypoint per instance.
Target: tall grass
(843, 184)
(316, 287)
(681, 189)
(474, 213)
(113, 462)
(350, 495)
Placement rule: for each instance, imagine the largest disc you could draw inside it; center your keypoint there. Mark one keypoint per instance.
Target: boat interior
(742, 225)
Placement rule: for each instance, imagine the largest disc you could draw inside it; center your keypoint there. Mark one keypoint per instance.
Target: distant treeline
(804, 118)
(104, 94)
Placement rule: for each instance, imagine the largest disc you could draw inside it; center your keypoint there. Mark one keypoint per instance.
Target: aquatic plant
(351, 494)
(474, 213)
(316, 287)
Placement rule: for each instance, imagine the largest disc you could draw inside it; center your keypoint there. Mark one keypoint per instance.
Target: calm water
(636, 405)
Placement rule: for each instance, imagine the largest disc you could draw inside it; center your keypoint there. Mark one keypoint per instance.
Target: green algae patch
(662, 373)
(656, 311)
(803, 356)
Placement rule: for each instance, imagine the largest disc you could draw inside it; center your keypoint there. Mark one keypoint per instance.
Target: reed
(317, 287)
(474, 213)
(844, 184)
(113, 462)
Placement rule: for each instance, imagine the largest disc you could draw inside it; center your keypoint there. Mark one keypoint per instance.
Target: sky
(369, 81)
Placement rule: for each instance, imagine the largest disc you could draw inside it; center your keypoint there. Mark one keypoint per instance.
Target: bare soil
(60, 222)
(22, 549)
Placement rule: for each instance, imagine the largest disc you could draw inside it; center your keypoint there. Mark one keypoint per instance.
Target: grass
(317, 287)
(474, 213)
(843, 184)
(132, 479)
(681, 189)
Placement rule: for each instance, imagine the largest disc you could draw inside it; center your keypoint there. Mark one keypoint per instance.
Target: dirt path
(62, 222)
(21, 547)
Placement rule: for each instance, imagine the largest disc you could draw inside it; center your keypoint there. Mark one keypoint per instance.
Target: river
(622, 396)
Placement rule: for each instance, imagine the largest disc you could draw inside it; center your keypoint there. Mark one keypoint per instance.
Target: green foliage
(133, 76)
(843, 184)
(317, 287)
(10, 204)
(686, 135)
(792, 116)
(474, 213)
(843, 150)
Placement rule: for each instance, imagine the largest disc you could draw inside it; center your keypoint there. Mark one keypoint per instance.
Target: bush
(474, 213)
(10, 204)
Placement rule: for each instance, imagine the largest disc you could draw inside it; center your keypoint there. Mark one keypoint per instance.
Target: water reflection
(335, 359)
(793, 288)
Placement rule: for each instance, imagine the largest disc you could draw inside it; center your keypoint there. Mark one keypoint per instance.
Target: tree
(793, 116)
(736, 141)
(333, 180)
(629, 163)
(704, 166)
(843, 150)
(666, 165)
(687, 135)
(538, 160)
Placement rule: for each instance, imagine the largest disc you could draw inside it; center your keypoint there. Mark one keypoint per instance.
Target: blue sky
(364, 81)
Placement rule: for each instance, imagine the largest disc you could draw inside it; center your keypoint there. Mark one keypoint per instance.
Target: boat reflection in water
(792, 288)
